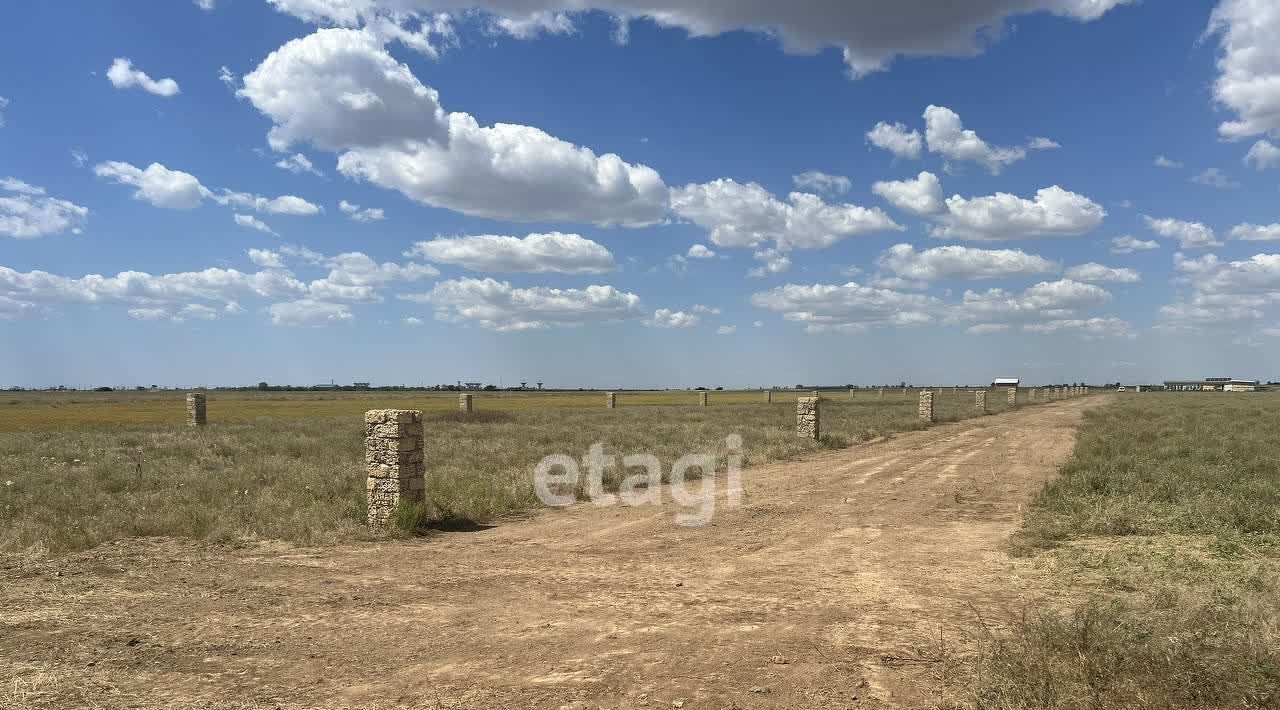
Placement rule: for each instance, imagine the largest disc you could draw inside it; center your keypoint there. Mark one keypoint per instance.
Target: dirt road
(828, 588)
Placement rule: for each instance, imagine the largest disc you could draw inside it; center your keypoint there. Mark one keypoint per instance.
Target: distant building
(360, 385)
(474, 385)
(1006, 382)
(1211, 384)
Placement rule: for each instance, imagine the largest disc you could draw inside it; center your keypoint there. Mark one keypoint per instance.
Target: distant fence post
(768, 396)
(980, 401)
(926, 405)
(807, 425)
(1013, 396)
(197, 410)
(394, 461)
(611, 400)
(702, 398)
(464, 403)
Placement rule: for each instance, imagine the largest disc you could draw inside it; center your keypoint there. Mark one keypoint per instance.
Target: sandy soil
(828, 588)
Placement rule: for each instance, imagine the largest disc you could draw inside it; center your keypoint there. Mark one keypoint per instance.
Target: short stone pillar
(464, 403)
(852, 393)
(1013, 396)
(925, 409)
(394, 460)
(702, 398)
(980, 401)
(611, 400)
(197, 411)
(807, 426)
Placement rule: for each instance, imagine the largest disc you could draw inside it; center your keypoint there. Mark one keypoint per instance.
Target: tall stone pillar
(464, 403)
(980, 401)
(394, 461)
(926, 405)
(852, 393)
(702, 398)
(1013, 396)
(197, 411)
(807, 426)
(611, 400)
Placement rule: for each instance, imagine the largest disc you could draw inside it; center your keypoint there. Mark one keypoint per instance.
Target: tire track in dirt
(796, 599)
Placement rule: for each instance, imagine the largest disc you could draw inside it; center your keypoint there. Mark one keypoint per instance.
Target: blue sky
(1084, 190)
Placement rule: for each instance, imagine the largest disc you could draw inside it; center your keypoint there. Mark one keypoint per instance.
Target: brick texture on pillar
(980, 400)
(197, 409)
(1013, 395)
(926, 405)
(611, 400)
(464, 403)
(394, 459)
(702, 399)
(807, 426)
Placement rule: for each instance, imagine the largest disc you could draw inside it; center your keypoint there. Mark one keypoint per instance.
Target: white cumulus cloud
(897, 139)
(27, 212)
(1189, 235)
(1264, 154)
(667, 318)
(946, 135)
(554, 252)
(248, 221)
(341, 91)
(309, 313)
(122, 75)
(958, 262)
(497, 305)
(361, 214)
(1054, 212)
(1094, 272)
(1256, 232)
(820, 182)
(1129, 244)
(1248, 82)
(747, 215)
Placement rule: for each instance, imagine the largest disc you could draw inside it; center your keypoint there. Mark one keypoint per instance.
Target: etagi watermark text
(559, 480)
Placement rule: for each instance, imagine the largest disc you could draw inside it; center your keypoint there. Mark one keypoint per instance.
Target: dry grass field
(77, 469)
(1165, 524)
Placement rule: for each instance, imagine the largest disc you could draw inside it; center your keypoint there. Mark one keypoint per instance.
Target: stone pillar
(1031, 394)
(702, 398)
(394, 461)
(464, 403)
(904, 391)
(1013, 396)
(881, 393)
(807, 418)
(926, 405)
(852, 393)
(769, 396)
(611, 400)
(980, 401)
(197, 413)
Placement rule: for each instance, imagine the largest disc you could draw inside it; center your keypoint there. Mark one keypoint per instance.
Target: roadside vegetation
(1163, 532)
(69, 482)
